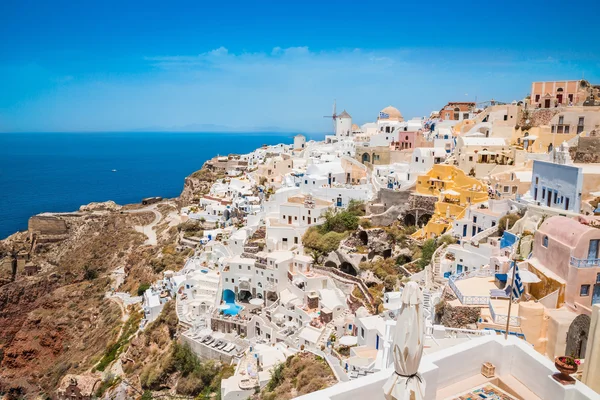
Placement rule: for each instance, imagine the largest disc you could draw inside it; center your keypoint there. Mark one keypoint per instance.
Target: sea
(58, 172)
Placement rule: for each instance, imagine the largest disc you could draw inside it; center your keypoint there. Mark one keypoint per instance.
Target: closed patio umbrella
(407, 348)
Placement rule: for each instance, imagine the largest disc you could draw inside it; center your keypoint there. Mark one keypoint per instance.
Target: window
(232, 280)
(593, 249)
(362, 332)
(416, 159)
(226, 279)
(580, 125)
(543, 193)
(598, 278)
(470, 158)
(567, 128)
(584, 291)
(475, 219)
(506, 117)
(545, 241)
(537, 180)
(537, 98)
(248, 268)
(505, 189)
(296, 240)
(561, 120)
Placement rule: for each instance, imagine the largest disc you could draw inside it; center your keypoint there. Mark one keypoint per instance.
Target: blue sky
(107, 65)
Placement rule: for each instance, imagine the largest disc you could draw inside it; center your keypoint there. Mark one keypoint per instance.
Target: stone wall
(389, 198)
(423, 202)
(47, 225)
(536, 117)
(587, 150)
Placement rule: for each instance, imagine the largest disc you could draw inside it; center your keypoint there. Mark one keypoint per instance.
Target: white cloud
(287, 87)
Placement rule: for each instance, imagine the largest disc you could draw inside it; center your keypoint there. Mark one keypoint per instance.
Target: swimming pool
(233, 309)
(229, 298)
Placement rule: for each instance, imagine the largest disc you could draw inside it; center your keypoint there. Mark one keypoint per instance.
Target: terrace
(473, 287)
(520, 373)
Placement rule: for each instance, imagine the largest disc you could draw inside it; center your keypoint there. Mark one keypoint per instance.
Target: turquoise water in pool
(233, 309)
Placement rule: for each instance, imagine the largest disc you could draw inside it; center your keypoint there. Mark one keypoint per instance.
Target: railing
(585, 262)
(501, 319)
(470, 300)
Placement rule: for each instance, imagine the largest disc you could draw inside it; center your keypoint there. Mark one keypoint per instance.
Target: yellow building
(455, 191)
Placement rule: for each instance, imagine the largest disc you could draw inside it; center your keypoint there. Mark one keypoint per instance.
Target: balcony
(585, 262)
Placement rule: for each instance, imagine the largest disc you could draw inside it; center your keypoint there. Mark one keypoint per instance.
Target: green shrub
(142, 288)
(89, 273)
(427, 251)
(511, 219)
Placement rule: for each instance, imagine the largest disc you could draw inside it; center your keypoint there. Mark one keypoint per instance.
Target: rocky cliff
(57, 320)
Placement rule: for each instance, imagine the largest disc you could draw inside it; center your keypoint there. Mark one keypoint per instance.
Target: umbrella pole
(512, 282)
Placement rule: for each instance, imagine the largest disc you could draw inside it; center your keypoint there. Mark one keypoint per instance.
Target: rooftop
(451, 373)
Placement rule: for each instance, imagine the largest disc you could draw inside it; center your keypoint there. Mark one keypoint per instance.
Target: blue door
(377, 342)
(596, 294)
(339, 201)
(464, 230)
(459, 269)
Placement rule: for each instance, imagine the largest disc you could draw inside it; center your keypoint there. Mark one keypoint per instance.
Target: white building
(479, 217)
(557, 184)
(343, 124)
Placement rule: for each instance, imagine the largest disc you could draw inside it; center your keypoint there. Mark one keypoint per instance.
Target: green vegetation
(196, 378)
(339, 222)
(191, 228)
(167, 317)
(113, 350)
(300, 374)
(429, 248)
(147, 395)
(381, 268)
(365, 223)
(321, 244)
(142, 288)
(89, 273)
(427, 251)
(356, 207)
(108, 382)
(511, 219)
(322, 239)
(171, 259)
(399, 234)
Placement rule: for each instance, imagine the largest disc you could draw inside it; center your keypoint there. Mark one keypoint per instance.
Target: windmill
(333, 117)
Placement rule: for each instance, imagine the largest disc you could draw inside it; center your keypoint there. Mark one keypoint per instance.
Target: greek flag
(383, 115)
(518, 286)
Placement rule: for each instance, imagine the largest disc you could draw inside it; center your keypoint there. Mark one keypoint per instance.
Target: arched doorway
(366, 158)
(348, 268)
(330, 264)
(364, 237)
(409, 220)
(577, 336)
(424, 219)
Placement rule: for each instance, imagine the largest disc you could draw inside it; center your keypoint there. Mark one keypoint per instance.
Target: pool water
(233, 309)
